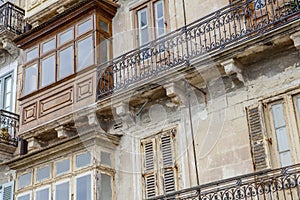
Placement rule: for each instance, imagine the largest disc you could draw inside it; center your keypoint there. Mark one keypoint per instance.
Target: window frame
(151, 18)
(85, 166)
(68, 180)
(90, 173)
(42, 167)
(24, 194)
(159, 168)
(63, 173)
(31, 180)
(3, 91)
(42, 188)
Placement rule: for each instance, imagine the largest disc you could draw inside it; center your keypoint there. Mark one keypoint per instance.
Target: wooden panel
(84, 89)
(58, 101)
(29, 113)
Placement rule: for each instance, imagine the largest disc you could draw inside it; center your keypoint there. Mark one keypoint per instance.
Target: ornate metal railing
(278, 184)
(224, 28)
(12, 18)
(9, 124)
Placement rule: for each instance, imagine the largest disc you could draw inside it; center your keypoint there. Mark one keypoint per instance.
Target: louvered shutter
(168, 163)
(257, 138)
(8, 191)
(150, 183)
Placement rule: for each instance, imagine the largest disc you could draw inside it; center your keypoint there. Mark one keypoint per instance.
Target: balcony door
(6, 85)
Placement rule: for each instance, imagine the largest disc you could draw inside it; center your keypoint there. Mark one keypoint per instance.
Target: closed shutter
(168, 164)
(149, 168)
(8, 191)
(257, 138)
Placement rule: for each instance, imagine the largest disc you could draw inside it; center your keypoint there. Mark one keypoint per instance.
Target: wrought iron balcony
(12, 18)
(9, 124)
(276, 184)
(227, 27)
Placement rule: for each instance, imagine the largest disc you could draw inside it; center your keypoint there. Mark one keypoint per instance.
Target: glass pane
(62, 166)
(48, 70)
(1, 98)
(104, 26)
(278, 116)
(105, 158)
(85, 53)
(282, 138)
(66, 58)
(298, 104)
(62, 191)
(160, 28)
(106, 192)
(66, 36)
(144, 36)
(285, 158)
(48, 46)
(84, 27)
(83, 160)
(159, 9)
(143, 19)
(83, 188)
(24, 180)
(7, 93)
(43, 173)
(24, 197)
(42, 194)
(32, 54)
(31, 79)
(104, 50)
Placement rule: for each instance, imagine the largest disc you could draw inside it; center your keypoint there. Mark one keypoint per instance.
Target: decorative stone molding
(296, 39)
(176, 91)
(232, 67)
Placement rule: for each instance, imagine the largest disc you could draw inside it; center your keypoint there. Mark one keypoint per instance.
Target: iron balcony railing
(9, 124)
(238, 22)
(278, 184)
(12, 18)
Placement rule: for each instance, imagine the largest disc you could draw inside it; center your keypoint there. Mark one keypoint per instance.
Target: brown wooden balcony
(282, 183)
(11, 18)
(240, 22)
(9, 124)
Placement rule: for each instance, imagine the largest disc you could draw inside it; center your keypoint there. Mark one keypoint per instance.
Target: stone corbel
(296, 39)
(232, 67)
(64, 132)
(176, 91)
(122, 111)
(10, 48)
(33, 143)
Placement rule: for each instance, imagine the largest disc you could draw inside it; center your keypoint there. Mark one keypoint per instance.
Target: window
(274, 131)
(43, 193)
(43, 173)
(6, 86)
(62, 167)
(151, 21)
(105, 158)
(62, 190)
(25, 196)
(158, 161)
(106, 189)
(24, 180)
(54, 58)
(83, 187)
(83, 160)
(7, 191)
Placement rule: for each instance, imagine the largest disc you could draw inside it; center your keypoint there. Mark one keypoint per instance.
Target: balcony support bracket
(233, 68)
(33, 143)
(64, 132)
(176, 91)
(122, 112)
(296, 39)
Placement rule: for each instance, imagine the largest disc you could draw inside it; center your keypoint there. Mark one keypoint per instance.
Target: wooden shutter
(150, 182)
(169, 170)
(8, 191)
(257, 138)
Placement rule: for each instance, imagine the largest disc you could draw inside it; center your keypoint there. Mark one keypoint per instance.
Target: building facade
(153, 99)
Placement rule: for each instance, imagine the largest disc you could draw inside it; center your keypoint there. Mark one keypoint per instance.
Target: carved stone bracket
(232, 67)
(122, 111)
(176, 91)
(296, 39)
(33, 143)
(64, 132)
